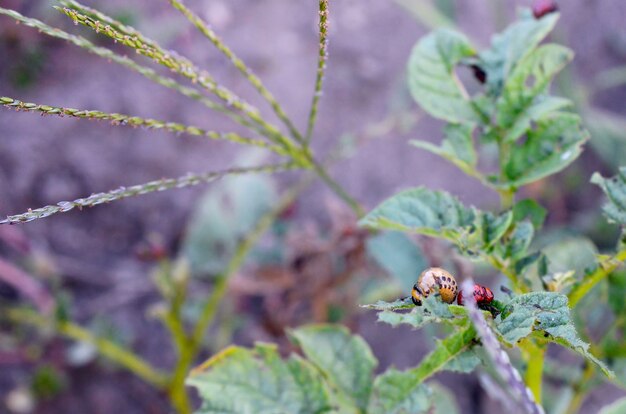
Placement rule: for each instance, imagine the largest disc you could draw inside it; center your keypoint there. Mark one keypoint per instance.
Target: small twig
(125, 192)
(321, 66)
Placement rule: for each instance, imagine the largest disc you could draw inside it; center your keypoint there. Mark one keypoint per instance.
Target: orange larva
(432, 280)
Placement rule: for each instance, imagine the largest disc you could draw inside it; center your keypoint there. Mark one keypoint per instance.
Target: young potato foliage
(336, 375)
(535, 136)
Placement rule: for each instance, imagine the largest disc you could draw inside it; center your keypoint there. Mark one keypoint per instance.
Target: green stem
(533, 354)
(605, 268)
(446, 350)
(116, 353)
(174, 291)
(503, 268)
(507, 199)
(507, 195)
(221, 284)
(176, 388)
(338, 189)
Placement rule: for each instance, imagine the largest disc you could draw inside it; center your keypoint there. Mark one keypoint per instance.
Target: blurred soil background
(93, 254)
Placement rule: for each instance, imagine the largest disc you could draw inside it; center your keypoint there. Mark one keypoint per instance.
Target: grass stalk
(245, 70)
(125, 192)
(321, 66)
(135, 121)
(130, 64)
(181, 66)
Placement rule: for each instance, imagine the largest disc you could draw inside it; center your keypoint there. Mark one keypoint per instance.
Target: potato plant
(535, 135)
(494, 101)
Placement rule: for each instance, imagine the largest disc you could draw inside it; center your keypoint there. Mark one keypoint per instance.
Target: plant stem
(221, 284)
(604, 269)
(507, 195)
(176, 390)
(105, 347)
(507, 199)
(338, 189)
(502, 267)
(447, 350)
(534, 356)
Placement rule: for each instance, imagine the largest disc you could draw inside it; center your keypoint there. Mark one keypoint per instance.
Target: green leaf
(465, 362)
(522, 101)
(511, 46)
(615, 190)
(457, 147)
(525, 261)
(398, 255)
(381, 305)
(346, 360)
(575, 253)
(402, 391)
(423, 211)
(258, 381)
(520, 239)
(543, 312)
(394, 392)
(554, 144)
(617, 292)
(433, 310)
(444, 400)
(494, 227)
(458, 141)
(529, 209)
(432, 80)
(438, 214)
(445, 351)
